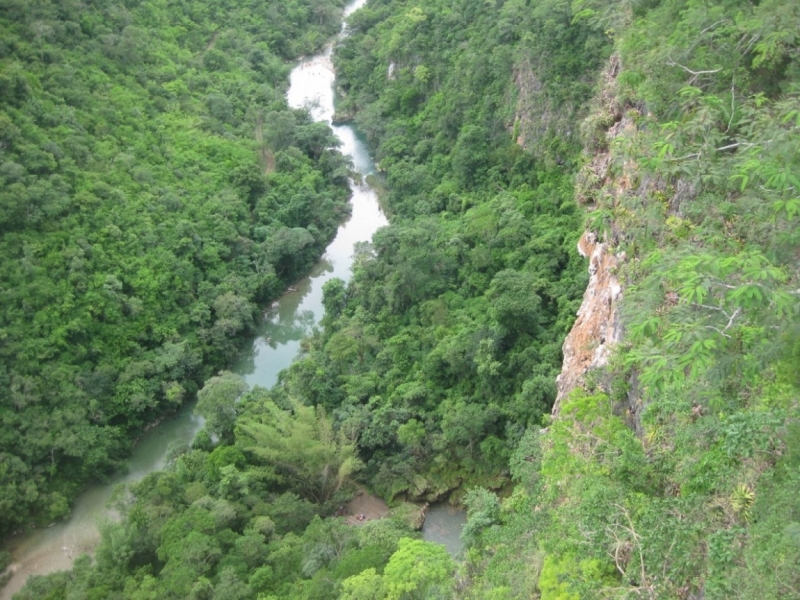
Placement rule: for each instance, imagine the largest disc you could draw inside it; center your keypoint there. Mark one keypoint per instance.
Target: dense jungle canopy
(155, 187)
(503, 130)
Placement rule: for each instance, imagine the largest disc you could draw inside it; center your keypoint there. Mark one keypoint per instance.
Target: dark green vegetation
(446, 344)
(675, 473)
(242, 519)
(153, 187)
(432, 362)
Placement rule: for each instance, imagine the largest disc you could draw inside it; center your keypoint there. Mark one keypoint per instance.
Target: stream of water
(276, 345)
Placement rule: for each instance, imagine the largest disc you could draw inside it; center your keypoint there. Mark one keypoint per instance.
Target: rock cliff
(598, 327)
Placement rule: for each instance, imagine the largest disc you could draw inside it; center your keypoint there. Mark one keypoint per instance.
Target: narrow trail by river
(286, 322)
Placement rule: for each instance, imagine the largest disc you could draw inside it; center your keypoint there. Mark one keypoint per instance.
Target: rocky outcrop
(607, 183)
(537, 117)
(598, 327)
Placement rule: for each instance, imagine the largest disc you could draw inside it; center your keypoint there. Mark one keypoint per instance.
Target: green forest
(502, 130)
(155, 189)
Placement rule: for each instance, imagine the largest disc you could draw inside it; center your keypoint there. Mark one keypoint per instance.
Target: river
(273, 349)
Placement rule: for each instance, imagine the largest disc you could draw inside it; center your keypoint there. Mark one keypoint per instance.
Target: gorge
(580, 321)
(284, 325)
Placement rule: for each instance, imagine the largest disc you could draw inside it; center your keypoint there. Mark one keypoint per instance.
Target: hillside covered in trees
(672, 471)
(670, 130)
(154, 186)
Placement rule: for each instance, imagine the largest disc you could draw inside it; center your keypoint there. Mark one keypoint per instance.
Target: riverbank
(440, 522)
(277, 342)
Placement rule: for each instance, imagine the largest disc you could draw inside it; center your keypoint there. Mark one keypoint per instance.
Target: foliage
(672, 474)
(141, 220)
(216, 402)
(231, 522)
(433, 360)
(653, 487)
(445, 344)
(301, 448)
(418, 570)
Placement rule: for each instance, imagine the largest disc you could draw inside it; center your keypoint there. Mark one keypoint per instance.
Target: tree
(216, 402)
(418, 571)
(301, 447)
(136, 221)
(514, 303)
(483, 511)
(334, 299)
(470, 155)
(367, 585)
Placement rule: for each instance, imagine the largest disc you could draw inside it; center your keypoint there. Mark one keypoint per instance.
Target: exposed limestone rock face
(536, 115)
(589, 343)
(598, 327)
(605, 182)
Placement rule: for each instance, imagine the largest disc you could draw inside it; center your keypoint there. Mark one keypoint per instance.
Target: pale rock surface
(597, 328)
